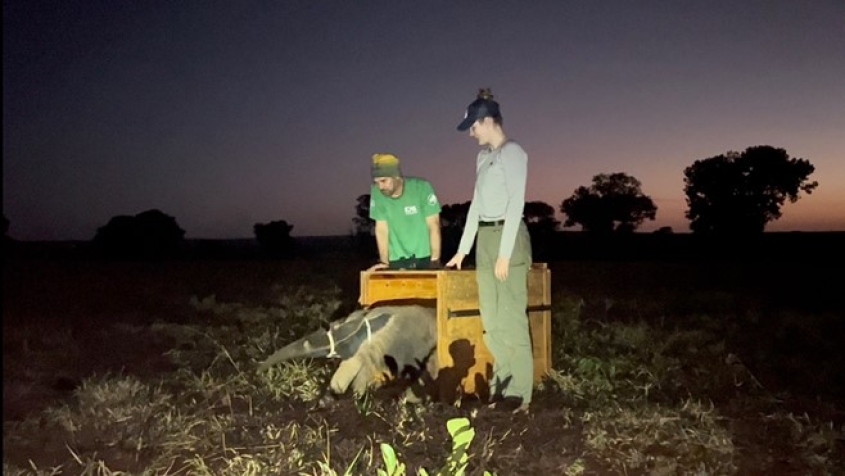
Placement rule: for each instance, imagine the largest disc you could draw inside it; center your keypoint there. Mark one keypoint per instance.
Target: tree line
(731, 194)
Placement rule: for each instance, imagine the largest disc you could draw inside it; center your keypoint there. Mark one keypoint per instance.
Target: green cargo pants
(503, 306)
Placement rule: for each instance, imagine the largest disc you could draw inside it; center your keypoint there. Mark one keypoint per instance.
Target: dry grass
(625, 397)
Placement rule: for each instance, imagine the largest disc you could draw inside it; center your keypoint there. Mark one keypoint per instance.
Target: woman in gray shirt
(503, 252)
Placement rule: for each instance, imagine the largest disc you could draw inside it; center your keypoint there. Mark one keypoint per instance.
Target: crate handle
(477, 312)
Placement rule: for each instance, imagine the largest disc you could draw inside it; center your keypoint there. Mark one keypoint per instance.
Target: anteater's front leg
(345, 373)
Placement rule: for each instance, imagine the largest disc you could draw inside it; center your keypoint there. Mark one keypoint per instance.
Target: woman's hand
(456, 261)
(502, 266)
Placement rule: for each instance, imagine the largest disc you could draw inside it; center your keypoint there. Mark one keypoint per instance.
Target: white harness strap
(332, 351)
(369, 330)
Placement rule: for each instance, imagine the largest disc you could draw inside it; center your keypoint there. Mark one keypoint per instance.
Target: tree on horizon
(540, 215)
(614, 203)
(363, 224)
(150, 234)
(274, 237)
(542, 228)
(740, 193)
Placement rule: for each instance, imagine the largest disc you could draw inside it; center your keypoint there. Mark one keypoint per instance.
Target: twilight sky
(224, 114)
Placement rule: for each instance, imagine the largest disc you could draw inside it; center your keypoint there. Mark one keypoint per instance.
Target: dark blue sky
(227, 114)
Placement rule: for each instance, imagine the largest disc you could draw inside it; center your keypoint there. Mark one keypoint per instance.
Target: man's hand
(435, 264)
(502, 266)
(456, 261)
(377, 267)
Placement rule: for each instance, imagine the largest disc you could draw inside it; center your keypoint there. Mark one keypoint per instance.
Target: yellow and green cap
(386, 165)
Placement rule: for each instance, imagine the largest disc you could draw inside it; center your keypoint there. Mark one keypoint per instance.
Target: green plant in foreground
(462, 434)
(392, 464)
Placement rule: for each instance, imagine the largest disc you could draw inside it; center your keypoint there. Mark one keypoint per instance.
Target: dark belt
(414, 263)
(491, 223)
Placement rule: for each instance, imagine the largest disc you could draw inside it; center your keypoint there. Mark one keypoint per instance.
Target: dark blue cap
(479, 109)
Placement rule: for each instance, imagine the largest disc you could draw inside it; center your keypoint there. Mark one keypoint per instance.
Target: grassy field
(659, 368)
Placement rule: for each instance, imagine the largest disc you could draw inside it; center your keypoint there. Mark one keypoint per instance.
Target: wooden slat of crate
(459, 292)
(461, 320)
(540, 296)
(397, 285)
(459, 326)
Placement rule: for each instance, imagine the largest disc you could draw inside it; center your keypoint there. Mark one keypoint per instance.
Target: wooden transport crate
(460, 343)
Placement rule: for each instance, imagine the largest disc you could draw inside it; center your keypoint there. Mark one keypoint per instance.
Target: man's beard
(387, 193)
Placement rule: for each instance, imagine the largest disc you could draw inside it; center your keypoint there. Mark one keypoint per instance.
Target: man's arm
(434, 238)
(381, 241)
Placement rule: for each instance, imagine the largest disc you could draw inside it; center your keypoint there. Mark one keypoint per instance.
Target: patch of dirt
(540, 442)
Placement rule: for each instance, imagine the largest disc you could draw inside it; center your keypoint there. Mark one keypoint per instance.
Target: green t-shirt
(407, 231)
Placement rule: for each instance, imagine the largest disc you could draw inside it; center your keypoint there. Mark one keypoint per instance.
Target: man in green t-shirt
(407, 216)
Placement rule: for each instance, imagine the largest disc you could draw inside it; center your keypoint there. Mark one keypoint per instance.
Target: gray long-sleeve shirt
(501, 176)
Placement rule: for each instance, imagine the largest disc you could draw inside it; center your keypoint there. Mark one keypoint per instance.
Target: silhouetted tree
(542, 226)
(274, 238)
(362, 234)
(453, 218)
(149, 234)
(540, 215)
(613, 203)
(739, 193)
(363, 223)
